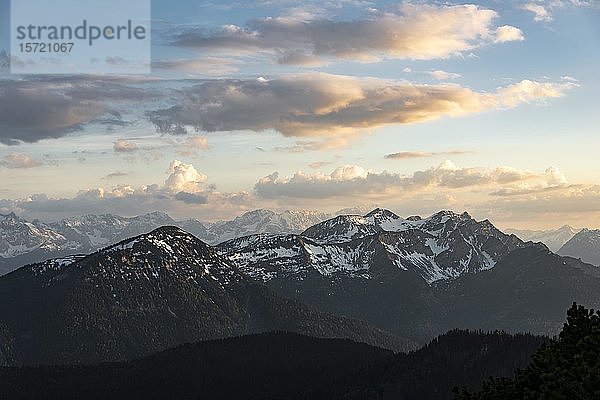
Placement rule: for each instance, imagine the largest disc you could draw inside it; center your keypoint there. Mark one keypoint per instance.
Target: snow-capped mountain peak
(342, 228)
(18, 237)
(263, 221)
(440, 247)
(23, 242)
(385, 219)
(152, 258)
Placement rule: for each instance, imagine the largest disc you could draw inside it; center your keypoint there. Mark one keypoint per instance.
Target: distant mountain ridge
(553, 238)
(262, 221)
(585, 245)
(23, 242)
(20, 236)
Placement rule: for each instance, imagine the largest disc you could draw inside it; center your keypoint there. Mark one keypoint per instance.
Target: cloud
(185, 191)
(409, 31)
(211, 66)
(568, 78)
(352, 180)
(551, 203)
(319, 164)
(30, 113)
(554, 177)
(540, 13)
(197, 142)
(542, 9)
(330, 106)
(402, 155)
(408, 154)
(528, 91)
(19, 161)
(191, 198)
(437, 74)
(183, 178)
(565, 200)
(322, 143)
(192, 145)
(509, 33)
(443, 75)
(116, 174)
(52, 107)
(501, 194)
(551, 180)
(125, 146)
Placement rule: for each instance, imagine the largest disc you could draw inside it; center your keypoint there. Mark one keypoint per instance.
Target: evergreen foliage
(568, 368)
(282, 366)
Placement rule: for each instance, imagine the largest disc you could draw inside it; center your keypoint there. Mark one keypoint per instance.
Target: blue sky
(489, 107)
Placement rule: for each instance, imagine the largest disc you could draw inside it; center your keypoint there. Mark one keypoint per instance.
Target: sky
(489, 107)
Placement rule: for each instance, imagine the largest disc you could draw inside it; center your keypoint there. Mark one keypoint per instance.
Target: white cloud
(508, 33)
(528, 91)
(542, 9)
(437, 74)
(352, 180)
(19, 161)
(319, 164)
(410, 31)
(184, 193)
(184, 178)
(125, 146)
(554, 177)
(402, 155)
(552, 206)
(192, 145)
(348, 172)
(540, 13)
(443, 75)
(324, 105)
(551, 180)
(568, 78)
(501, 194)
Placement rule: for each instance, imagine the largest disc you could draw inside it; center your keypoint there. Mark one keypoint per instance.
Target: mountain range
(381, 279)
(24, 242)
(554, 239)
(419, 277)
(144, 295)
(443, 246)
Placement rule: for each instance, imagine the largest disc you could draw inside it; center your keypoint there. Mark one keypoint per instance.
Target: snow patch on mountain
(18, 237)
(23, 242)
(441, 247)
(55, 265)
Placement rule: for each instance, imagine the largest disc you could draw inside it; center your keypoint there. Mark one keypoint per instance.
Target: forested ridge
(568, 368)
